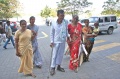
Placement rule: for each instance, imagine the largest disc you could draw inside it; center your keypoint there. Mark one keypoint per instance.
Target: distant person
(23, 39)
(88, 39)
(75, 31)
(2, 34)
(37, 56)
(9, 35)
(58, 34)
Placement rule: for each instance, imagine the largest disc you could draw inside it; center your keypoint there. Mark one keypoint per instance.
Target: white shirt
(58, 32)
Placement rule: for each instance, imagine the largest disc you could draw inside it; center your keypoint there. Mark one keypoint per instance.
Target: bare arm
(16, 46)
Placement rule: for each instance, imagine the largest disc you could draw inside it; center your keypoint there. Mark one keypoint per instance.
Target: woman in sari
(37, 56)
(75, 30)
(88, 39)
(23, 38)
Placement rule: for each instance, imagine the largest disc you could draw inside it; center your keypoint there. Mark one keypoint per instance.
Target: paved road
(104, 60)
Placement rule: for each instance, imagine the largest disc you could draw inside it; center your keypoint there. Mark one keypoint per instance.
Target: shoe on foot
(4, 47)
(39, 66)
(52, 71)
(60, 69)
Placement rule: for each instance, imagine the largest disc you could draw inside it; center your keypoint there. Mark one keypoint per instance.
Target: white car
(107, 23)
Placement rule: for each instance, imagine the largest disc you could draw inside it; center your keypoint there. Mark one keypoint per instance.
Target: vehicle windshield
(82, 20)
(93, 19)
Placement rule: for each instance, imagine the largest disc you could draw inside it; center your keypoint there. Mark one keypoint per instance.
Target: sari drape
(25, 48)
(74, 43)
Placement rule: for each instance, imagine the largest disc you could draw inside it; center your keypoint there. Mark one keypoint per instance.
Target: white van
(107, 23)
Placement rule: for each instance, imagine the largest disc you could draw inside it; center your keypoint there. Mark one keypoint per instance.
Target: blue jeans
(10, 38)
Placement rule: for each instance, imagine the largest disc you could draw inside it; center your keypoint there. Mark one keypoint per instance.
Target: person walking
(23, 39)
(37, 56)
(58, 34)
(9, 35)
(74, 41)
(88, 39)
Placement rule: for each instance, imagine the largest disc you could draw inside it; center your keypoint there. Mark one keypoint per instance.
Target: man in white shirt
(58, 34)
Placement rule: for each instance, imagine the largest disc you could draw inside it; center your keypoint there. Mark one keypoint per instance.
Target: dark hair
(8, 22)
(32, 17)
(96, 23)
(60, 12)
(86, 20)
(22, 21)
(76, 17)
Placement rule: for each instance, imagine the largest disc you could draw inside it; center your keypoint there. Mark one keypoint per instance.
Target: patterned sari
(88, 41)
(74, 43)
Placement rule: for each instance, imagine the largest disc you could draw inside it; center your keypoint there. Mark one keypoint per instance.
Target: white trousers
(2, 37)
(57, 54)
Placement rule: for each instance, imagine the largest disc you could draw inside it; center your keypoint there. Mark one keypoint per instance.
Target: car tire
(110, 31)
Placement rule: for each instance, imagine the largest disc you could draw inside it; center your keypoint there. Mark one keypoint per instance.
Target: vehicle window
(113, 18)
(101, 20)
(107, 19)
(93, 19)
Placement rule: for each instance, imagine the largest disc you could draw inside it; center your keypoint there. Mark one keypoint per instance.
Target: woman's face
(32, 20)
(74, 19)
(23, 25)
(86, 22)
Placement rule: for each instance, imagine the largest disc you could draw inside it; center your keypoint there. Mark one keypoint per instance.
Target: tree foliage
(8, 8)
(111, 7)
(74, 6)
(47, 12)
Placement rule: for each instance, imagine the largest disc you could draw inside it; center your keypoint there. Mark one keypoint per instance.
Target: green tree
(73, 6)
(8, 8)
(47, 12)
(111, 7)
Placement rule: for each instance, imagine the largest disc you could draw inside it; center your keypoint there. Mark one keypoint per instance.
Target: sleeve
(17, 34)
(52, 32)
(37, 29)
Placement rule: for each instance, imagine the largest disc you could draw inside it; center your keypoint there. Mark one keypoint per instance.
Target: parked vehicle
(107, 23)
(118, 20)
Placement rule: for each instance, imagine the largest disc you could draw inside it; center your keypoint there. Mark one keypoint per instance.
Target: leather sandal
(60, 69)
(52, 72)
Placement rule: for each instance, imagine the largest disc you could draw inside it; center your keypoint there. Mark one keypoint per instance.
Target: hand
(68, 39)
(34, 33)
(18, 54)
(52, 44)
(94, 35)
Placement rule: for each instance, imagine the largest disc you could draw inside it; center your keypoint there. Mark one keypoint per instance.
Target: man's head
(60, 14)
(8, 23)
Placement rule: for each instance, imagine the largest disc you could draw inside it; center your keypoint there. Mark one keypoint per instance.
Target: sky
(33, 7)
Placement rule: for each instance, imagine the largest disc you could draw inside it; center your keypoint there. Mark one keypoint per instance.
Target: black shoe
(60, 69)
(4, 47)
(52, 71)
(39, 66)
